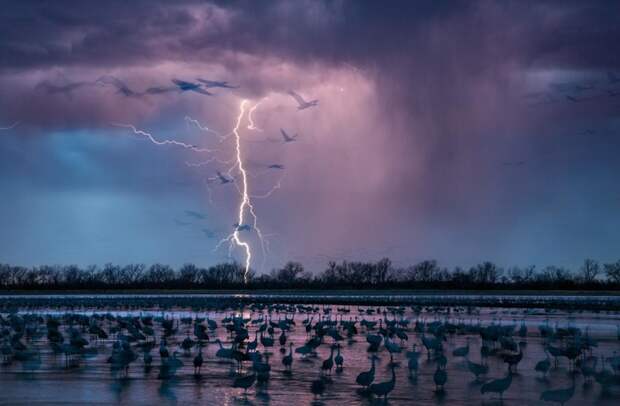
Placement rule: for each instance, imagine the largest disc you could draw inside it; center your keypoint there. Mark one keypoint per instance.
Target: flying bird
(276, 166)
(160, 89)
(195, 214)
(302, 104)
(208, 233)
(288, 138)
(190, 86)
(581, 88)
(613, 78)
(217, 83)
(242, 227)
(66, 89)
(120, 86)
(223, 179)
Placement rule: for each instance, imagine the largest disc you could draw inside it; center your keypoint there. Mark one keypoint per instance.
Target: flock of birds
(200, 86)
(576, 92)
(246, 338)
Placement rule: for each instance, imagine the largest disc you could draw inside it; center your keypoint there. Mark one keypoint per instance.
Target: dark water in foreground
(92, 382)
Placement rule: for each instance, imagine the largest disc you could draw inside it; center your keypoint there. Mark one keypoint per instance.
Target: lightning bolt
(155, 141)
(204, 163)
(191, 147)
(221, 137)
(245, 205)
(245, 197)
(271, 191)
(251, 125)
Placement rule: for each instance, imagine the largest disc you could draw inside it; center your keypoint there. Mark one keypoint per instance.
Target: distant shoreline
(311, 292)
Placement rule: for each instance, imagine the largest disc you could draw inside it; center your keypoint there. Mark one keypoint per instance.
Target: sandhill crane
(287, 137)
(543, 366)
(366, 378)
(163, 350)
(588, 367)
(513, 359)
(185, 86)
(287, 360)
(498, 385)
(462, 351)
(383, 389)
(244, 382)
(282, 338)
(560, 396)
(301, 103)
(148, 360)
(328, 364)
(477, 369)
(339, 360)
(266, 341)
(187, 344)
(198, 361)
(440, 377)
(217, 83)
(252, 345)
(413, 363)
(318, 387)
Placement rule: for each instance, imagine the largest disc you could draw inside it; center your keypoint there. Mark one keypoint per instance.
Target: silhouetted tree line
(344, 275)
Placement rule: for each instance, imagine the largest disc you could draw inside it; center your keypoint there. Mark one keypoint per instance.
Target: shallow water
(93, 382)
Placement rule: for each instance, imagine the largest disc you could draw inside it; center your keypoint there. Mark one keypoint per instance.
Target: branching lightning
(155, 141)
(245, 198)
(241, 181)
(271, 191)
(243, 189)
(204, 128)
(210, 160)
(251, 125)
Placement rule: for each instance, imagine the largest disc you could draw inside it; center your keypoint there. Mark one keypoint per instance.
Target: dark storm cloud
(37, 33)
(447, 80)
(403, 45)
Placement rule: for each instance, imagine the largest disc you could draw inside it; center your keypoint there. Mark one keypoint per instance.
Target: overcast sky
(457, 131)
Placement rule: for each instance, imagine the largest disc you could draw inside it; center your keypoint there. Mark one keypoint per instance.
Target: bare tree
(288, 273)
(383, 269)
(188, 274)
(425, 271)
(485, 273)
(589, 270)
(612, 271)
(133, 273)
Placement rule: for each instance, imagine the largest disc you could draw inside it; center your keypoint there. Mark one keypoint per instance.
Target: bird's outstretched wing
(297, 97)
(215, 83)
(119, 84)
(205, 81)
(63, 88)
(201, 91)
(161, 89)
